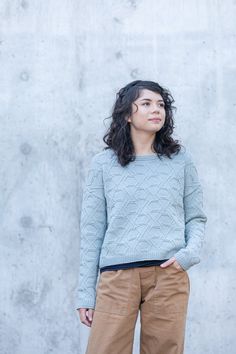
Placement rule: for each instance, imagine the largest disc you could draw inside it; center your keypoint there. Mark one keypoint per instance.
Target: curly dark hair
(118, 135)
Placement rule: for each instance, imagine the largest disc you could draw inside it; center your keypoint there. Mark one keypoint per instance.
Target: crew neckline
(144, 157)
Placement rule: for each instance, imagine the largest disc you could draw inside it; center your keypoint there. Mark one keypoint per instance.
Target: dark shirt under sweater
(148, 263)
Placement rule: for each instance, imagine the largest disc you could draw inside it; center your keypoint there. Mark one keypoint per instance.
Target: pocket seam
(181, 269)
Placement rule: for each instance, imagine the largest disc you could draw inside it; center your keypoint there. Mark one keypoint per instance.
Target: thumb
(90, 314)
(167, 263)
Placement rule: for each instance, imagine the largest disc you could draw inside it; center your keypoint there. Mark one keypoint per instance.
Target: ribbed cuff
(186, 259)
(86, 303)
(85, 306)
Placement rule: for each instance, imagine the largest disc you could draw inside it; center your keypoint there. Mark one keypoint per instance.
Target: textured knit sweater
(150, 209)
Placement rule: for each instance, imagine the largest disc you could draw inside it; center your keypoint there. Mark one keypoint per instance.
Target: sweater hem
(108, 261)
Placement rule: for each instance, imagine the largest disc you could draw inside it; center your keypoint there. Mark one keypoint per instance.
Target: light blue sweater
(149, 209)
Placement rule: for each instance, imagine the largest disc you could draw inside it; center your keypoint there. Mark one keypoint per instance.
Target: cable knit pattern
(150, 209)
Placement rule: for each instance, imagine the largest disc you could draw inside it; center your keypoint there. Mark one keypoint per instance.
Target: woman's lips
(155, 120)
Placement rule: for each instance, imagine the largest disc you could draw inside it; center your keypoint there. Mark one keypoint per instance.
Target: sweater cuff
(186, 259)
(86, 305)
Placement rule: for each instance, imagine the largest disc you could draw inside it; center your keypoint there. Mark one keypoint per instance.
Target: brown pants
(161, 295)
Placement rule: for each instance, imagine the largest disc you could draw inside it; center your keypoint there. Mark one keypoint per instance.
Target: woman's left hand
(169, 262)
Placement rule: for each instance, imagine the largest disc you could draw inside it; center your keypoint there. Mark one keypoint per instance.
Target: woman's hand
(169, 262)
(86, 316)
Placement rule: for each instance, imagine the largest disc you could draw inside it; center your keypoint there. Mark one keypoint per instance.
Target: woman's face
(149, 114)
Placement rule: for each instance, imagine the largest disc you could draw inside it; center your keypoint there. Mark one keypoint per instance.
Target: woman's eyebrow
(148, 99)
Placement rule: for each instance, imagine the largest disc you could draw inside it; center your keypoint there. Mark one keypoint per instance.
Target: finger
(167, 263)
(86, 322)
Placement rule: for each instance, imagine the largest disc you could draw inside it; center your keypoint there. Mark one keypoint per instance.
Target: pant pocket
(177, 267)
(113, 291)
(172, 290)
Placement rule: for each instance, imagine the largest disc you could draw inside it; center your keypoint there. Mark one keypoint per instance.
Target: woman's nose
(155, 108)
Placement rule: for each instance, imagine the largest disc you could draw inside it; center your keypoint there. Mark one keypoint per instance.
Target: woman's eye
(148, 104)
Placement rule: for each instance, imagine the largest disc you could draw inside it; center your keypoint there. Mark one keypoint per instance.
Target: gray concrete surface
(61, 63)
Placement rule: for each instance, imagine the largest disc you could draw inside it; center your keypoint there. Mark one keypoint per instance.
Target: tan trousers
(161, 295)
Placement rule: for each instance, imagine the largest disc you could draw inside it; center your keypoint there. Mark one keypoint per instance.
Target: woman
(142, 227)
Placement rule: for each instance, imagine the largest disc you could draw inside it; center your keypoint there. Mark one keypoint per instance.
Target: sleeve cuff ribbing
(186, 259)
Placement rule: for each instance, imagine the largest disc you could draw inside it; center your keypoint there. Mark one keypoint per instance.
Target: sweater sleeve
(195, 218)
(92, 231)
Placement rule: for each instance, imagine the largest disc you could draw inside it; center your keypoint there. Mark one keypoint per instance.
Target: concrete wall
(61, 63)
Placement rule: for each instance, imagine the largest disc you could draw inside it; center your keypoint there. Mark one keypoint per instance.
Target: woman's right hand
(86, 316)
